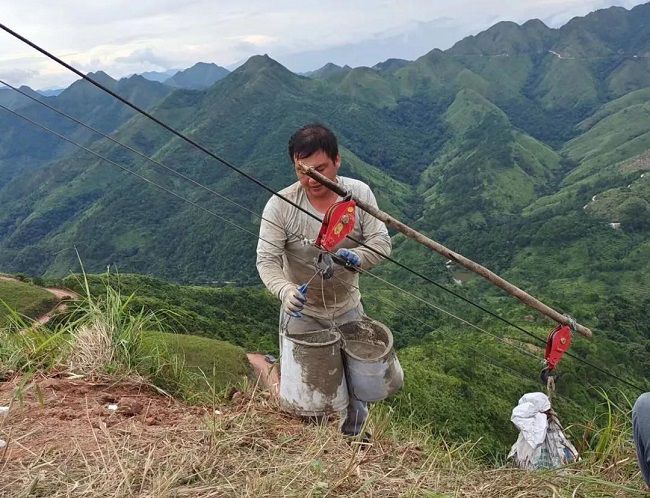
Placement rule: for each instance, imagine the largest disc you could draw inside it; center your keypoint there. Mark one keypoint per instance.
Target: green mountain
(159, 76)
(24, 148)
(495, 169)
(327, 71)
(13, 100)
(455, 140)
(200, 76)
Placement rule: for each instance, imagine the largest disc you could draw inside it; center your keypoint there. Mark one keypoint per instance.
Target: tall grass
(25, 348)
(106, 334)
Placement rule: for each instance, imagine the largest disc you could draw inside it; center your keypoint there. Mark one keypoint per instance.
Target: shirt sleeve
(270, 249)
(375, 235)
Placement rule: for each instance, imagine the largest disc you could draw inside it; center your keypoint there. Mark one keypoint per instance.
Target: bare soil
(51, 415)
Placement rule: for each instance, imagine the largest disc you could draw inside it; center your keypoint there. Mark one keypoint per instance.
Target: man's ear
(337, 163)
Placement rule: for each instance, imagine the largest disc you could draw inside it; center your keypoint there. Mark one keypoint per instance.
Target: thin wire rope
(251, 178)
(204, 187)
(151, 182)
(493, 361)
(222, 218)
(500, 339)
(164, 189)
(148, 158)
(194, 182)
(414, 296)
(284, 249)
(437, 308)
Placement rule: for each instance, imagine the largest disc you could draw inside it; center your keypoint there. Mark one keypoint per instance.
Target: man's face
(324, 165)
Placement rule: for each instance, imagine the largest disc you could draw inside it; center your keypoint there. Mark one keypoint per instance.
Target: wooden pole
(490, 276)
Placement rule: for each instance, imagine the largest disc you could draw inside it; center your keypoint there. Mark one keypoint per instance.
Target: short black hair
(311, 138)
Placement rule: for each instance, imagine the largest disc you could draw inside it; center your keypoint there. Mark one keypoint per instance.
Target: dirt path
(59, 293)
(267, 374)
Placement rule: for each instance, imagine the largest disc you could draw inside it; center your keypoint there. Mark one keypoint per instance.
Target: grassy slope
(244, 317)
(486, 168)
(24, 298)
(220, 363)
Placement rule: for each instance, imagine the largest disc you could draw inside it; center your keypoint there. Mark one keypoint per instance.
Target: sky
(122, 37)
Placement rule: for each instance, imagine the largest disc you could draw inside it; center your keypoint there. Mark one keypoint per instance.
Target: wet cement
(364, 349)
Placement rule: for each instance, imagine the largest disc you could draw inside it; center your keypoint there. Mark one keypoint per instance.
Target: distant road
(59, 293)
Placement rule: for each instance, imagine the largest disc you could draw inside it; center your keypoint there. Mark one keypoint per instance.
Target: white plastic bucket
(312, 377)
(372, 369)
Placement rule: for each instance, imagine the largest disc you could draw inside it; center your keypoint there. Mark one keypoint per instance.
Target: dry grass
(248, 448)
(92, 348)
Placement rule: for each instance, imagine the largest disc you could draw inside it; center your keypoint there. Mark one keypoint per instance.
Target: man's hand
(350, 257)
(294, 299)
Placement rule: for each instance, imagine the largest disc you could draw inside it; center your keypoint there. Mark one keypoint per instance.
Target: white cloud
(122, 36)
(144, 56)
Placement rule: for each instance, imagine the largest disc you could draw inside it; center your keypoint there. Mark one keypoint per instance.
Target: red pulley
(557, 344)
(338, 223)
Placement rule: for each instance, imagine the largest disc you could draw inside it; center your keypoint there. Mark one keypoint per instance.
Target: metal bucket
(372, 369)
(312, 379)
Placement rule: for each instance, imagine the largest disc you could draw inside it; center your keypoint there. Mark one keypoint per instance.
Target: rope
(222, 218)
(194, 182)
(596, 367)
(144, 156)
(151, 182)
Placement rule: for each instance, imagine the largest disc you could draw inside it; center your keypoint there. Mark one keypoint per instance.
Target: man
(641, 427)
(286, 254)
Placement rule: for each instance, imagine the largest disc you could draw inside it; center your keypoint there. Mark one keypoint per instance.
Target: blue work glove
(350, 257)
(294, 299)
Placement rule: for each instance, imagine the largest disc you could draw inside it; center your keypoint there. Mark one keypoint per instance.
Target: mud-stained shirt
(286, 254)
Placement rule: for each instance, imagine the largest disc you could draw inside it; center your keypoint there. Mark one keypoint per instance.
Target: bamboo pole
(490, 276)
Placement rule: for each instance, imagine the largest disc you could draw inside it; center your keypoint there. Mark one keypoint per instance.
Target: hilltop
(82, 423)
(154, 445)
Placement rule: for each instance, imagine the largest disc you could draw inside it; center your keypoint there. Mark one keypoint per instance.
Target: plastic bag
(542, 443)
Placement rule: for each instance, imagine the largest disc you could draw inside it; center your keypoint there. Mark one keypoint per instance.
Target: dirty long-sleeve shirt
(286, 259)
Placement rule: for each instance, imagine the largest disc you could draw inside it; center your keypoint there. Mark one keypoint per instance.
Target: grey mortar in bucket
(366, 340)
(372, 369)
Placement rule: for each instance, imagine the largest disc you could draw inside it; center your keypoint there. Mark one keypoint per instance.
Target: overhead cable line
(221, 196)
(253, 179)
(191, 180)
(414, 296)
(196, 183)
(270, 190)
(222, 218)
(130, 171)
(433, 306)
(141, 154)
